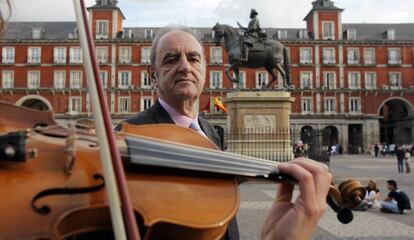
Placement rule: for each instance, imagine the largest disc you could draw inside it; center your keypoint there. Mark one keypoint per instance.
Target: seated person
(397, 201)
(372, 197)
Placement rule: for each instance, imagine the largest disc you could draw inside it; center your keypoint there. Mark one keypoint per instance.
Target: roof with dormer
(60, 31)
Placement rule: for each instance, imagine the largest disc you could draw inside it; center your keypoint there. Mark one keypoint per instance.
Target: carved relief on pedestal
(262, 122)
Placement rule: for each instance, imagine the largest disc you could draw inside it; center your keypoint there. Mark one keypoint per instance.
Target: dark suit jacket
(157, 114)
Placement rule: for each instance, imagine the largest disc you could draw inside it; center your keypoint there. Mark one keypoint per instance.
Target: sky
(205, 13)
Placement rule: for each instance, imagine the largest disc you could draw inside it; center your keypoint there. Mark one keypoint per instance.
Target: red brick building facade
(355, 81)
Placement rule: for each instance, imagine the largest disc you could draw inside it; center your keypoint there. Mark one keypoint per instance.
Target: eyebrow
(176, 54)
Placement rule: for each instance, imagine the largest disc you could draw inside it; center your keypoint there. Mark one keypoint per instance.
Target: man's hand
(297, 220)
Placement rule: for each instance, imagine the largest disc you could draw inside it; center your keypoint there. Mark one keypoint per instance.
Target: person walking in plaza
(400, 158)
(407, 158)
(376, 150)
(397, 201)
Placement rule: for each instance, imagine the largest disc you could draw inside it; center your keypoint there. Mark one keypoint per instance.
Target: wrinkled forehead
(178, 41)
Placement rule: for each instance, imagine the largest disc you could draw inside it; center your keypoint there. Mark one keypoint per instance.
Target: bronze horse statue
(273, 55)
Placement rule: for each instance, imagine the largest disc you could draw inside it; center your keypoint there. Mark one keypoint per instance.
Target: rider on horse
(252, 34)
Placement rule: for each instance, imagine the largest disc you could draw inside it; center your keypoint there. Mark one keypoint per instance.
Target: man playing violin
(178, 71)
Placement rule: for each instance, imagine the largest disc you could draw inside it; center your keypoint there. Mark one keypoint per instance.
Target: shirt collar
(177, 117)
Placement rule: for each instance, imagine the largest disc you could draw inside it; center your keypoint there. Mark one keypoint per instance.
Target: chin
(186, 95)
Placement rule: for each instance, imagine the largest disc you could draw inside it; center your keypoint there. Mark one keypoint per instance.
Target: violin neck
(155, 153)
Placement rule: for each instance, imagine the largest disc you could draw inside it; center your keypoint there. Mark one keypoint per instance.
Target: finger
(321, 175)
(284, 192)
(306, 184)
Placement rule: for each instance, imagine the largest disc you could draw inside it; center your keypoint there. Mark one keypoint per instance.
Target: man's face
(390, 187)
(180, 67)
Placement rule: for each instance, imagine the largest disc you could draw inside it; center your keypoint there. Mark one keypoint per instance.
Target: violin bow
(115, 179)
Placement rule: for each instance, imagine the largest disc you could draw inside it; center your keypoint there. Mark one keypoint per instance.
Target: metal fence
(276, 144)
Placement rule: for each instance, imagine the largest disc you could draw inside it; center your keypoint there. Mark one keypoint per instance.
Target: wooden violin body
(171, 206)
(58, 191)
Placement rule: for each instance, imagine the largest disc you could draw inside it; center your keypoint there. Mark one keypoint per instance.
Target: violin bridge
(70, 150)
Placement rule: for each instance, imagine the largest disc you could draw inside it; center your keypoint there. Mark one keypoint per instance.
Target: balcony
(33, 61)
(393, 62)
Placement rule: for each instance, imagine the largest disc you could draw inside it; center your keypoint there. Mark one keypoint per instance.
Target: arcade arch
(35, 102)
(397, 121)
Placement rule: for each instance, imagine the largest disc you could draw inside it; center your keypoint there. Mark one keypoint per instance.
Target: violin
(53, 185)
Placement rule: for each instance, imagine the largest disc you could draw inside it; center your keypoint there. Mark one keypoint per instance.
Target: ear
(153, 76)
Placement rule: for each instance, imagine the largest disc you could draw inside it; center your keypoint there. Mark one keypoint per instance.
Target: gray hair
(166, 30)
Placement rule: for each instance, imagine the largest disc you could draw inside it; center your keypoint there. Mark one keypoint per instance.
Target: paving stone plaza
(368, 225)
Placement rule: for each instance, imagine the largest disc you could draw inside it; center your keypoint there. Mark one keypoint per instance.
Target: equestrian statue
(252, 50)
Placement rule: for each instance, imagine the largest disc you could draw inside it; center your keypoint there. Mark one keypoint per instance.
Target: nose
(184, 66)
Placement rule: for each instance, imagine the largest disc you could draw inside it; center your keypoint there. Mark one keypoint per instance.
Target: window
(329, 79)
(216, 55)
(124, 104)
(354, 80)
(7, 79)
(395, 80)
(59, 79)
(216, 79)
(104, 2)
(124, 55)
(391, 34)
(306, 105)
(261, 80)
(242, 79)
(370, 80)
(394, 56)
(59, 55)
(148, 33)
(353, 56)
(76, 79)
(145, 54)
(369, 56)
(305, 55)
(124, 79)
(329, 56)
(303, 34)
(352, 34)
(330, 105)
(102, 29)
(281, 33)
(33, 79)
(354, 105)
(75, 55)
(145, 80)
(102, 54)
(328, 32)
(146, 102)
(306, 80)
(103, 75)
(75, 105)
(37, 33)
(8, 55)
(33, 55)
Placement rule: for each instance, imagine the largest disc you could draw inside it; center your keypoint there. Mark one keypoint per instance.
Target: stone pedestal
(258, 124)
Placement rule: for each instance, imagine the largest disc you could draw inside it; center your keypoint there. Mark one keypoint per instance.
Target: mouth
(184, 80)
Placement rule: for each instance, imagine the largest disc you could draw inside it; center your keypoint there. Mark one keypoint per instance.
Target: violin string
(195, 157)
(201, 158)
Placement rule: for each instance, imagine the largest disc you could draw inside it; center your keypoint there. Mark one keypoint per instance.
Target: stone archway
(35, 102)
(306, 134)
(330, 136)
(397, 122)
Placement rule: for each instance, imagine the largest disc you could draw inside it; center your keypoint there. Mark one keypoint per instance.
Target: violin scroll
(347, 196)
